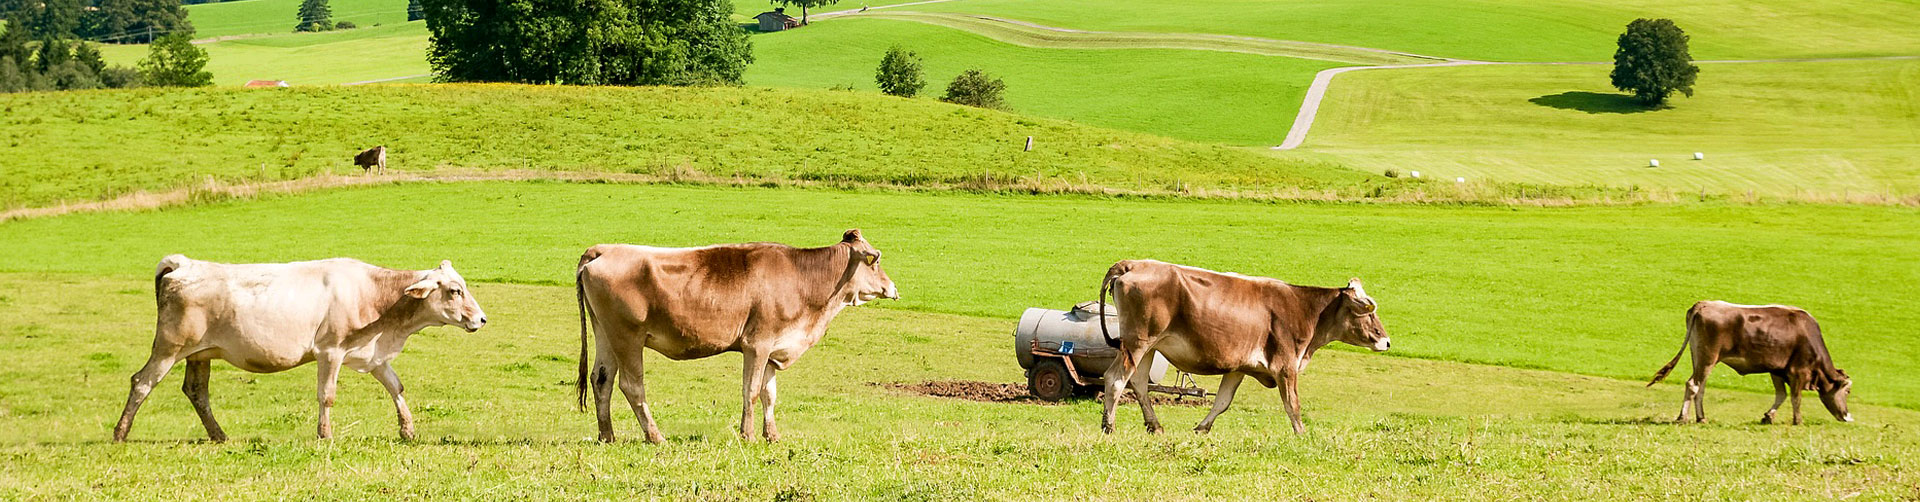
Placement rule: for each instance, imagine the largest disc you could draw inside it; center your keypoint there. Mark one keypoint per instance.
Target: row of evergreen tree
(64, 63)
(111, 21)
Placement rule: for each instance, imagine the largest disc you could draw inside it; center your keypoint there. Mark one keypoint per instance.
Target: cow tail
(1692, 320)
(1106, 286)
(167, 265)
(580, 295)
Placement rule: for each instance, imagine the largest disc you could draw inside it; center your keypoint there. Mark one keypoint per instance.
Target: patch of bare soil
(989, 392)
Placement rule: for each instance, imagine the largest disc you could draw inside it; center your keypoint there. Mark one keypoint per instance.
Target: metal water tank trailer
(1064, 352)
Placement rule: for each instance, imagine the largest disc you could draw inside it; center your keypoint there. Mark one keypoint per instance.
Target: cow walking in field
(770, 302)
(1783, 342)
(371, 159)
(267, 318)
(1212, 323)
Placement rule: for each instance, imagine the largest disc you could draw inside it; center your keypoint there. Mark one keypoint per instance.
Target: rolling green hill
(250, 17)
(164, 139)
(1239, 99)
(1501, 30)
(1828, 127)
(334, 57)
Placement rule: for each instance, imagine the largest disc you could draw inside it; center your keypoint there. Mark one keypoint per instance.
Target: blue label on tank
(1066, 347)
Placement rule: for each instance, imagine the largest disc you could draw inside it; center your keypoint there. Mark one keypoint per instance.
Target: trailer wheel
(1049, 380)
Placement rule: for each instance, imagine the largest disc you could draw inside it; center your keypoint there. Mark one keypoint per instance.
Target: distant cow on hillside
(1777, 340)
(372, 158)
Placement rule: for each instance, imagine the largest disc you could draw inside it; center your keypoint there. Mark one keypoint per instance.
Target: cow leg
(1699, 383)
(755, 363)
(329, 380)
(1145, 397)
(143, 381)
(198, 372)
(1228, 384)
(1290, 397)
(633, 384)
(767, 400)
(602, 377)
(1796, 383)
(1779, 396)
(384, 373)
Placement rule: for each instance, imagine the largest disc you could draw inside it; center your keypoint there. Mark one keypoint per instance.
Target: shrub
(899, 73)
(173, 61)
(1653, 62)
(976, 88)
(1392, 173)
(345, 25)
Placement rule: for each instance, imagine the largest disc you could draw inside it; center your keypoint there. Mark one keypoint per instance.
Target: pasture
(1500, 30)
(255, 17)
(394, 50)
(1832, 127)
(1197, 95)
(1543, 293)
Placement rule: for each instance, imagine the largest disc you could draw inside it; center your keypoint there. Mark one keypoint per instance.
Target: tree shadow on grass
(1594, 102)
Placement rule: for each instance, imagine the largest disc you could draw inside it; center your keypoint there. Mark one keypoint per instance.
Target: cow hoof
(656, 438)
(1106, 428)
(1155, 429)
(1202, 430)
(218, 438)
(1766, 419)
(606, 437)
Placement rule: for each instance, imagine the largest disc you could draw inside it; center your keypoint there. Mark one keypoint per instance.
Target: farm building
(266, 83)
(777, 20)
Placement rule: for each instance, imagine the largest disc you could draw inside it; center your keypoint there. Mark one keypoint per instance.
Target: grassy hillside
(278, 16)
(172, 138)
(335, 57)
(1239, 99)
(1598, 291)
(1507, 30)
(1825, 127)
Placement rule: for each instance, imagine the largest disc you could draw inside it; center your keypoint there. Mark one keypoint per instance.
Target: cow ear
(852, 235)
(423, 288)
(446, 264)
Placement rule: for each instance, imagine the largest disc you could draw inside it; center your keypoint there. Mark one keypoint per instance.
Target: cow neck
(396, 312)
(1326, 302)
(822, 261)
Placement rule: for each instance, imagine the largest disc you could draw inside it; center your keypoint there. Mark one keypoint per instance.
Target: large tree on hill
(315, 15)
(804, 5)
(134, 21)
(1653, 61)
(587, 42)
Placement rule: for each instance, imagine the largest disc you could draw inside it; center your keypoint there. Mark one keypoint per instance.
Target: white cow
(266, 318)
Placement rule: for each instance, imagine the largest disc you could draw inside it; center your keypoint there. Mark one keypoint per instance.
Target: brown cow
(1212, 323)
(372, 158)
(1778, 340)
(770, 302)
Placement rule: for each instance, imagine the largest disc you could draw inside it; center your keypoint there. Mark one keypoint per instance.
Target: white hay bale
(1416, 174)
(1653, 162)
(1699, 156)
(1459, 180)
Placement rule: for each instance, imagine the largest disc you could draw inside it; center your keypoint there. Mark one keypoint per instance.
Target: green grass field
(1503, 30)
(252, 17)
(1832, 127)
(1561, 289)
(166, 139)
(334, 57)
(1239, 99)
(1555, 289)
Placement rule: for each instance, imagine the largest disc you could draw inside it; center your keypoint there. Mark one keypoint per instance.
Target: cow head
(1833, 393)
(1356, 321)
(866, 280)
(447, 300)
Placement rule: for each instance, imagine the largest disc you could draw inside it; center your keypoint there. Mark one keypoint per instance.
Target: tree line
(112, 21)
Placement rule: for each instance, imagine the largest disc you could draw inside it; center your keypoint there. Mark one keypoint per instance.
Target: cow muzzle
(474, 323)
(1383, 345)
(892, 293)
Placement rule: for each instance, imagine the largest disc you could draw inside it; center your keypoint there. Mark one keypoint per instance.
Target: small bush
(1392, 173)
(976, 88)
(345, 25)
(899, 73)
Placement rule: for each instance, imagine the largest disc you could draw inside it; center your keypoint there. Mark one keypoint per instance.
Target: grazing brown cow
(267, 318)
(770, 302)
(1212, 323)
(1778, 340)
(372, 158)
